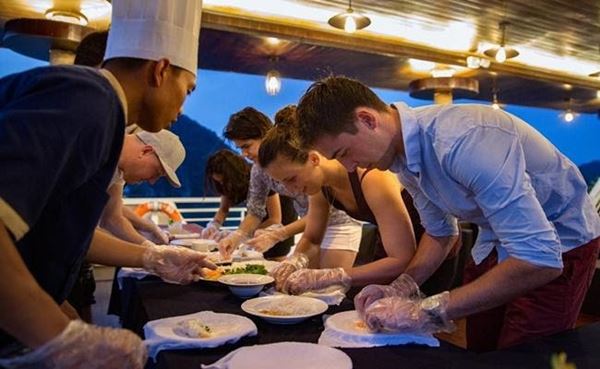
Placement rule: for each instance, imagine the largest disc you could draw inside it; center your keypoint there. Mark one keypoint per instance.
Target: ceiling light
(597, 94)
(569, 116)
(442, 72)
(273, 41)
(495, 104)
(66, 16)
(502, 53)
(273, 82)
(473, 62)
(349, 21)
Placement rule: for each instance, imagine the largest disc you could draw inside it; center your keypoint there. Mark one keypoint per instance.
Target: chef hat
(155, 29)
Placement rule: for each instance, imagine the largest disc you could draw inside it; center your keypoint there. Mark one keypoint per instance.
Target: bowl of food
(245, 285)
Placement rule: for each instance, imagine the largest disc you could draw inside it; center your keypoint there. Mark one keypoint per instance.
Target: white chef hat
(155, 29)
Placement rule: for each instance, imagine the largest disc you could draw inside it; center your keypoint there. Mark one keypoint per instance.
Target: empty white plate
(284, 309)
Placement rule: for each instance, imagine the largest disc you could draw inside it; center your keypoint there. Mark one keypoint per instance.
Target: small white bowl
(203, 245)
(245, 285)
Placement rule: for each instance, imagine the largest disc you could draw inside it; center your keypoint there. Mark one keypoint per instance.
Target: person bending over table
(228, 174)
(536, 252)
(246, 129)
(372, 196)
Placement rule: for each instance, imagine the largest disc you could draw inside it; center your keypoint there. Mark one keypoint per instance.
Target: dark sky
(219, 94)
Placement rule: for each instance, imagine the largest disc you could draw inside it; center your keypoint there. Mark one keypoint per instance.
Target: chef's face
(163, 102)
(248, 147)
(306, 178)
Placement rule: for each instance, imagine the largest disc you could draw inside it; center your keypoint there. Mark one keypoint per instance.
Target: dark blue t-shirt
(61, 132)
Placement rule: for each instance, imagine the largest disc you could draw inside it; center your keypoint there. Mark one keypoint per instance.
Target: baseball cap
(168, 149)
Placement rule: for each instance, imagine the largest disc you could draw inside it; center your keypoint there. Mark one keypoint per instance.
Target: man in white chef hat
(61, 133)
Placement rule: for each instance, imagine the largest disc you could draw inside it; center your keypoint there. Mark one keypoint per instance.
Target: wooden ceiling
(235, 40)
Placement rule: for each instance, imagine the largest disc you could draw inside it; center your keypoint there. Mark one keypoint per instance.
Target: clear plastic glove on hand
(282, 271)
(175, 264)
(266, 238)
(159, 235)
(403, 286)
(211, 230)
(222, 234)
(230, 243)
(401, 314)
(82, 345)
(304, 280)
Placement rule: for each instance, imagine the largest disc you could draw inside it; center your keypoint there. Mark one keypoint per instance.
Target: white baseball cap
(156, 29)
(168, 149)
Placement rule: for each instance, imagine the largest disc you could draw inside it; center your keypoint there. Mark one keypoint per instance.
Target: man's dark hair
(247, 124)
(90, 51)
(327, 107)
(235, 172)
(282, 140)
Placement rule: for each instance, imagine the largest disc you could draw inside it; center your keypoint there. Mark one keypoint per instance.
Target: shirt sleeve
(256, 201)
(436, 222)
(490, 163)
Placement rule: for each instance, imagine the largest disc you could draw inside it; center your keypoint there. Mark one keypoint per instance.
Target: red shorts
(546, 310)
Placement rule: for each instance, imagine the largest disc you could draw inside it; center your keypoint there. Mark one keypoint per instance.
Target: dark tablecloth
(151, 299)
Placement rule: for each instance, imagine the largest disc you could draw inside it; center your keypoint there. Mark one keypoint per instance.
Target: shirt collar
(118, 89)
(410, 136)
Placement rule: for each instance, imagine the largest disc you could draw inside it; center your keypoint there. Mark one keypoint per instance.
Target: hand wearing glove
(265, 239)
(403, 286)
(159, 235)
(222, 234)
(304, 280)
(211, 230)
(282, 271)
(82, 345)
(175, 264)
(401, 314)
(148, 243)
(230, 243)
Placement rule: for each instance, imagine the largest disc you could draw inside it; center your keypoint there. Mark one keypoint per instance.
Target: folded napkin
(224, 329)
(288, 355)
(333, 295)
(344, 330)
(137, 273)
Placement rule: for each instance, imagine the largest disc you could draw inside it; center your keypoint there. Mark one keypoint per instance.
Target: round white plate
(284, 309)
(348, 322)
(290, 355)
(224, 327)
(181, 236)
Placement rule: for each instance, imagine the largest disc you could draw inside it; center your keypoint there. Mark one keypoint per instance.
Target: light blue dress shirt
(490, 168)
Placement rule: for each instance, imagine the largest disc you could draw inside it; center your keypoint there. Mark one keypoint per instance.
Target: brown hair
(282, 139)
(236, 175)
(247, 124)
(327, 107)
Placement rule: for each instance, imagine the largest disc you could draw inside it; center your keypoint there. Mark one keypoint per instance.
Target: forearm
(431, 252)
(249, 224)
(27, 312)
(136, 221)
(109, 250)
(122, 228)
(503, 283)
(382, 271)
(294, 228)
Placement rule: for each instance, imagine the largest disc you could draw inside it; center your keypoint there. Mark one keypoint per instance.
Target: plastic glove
(159, 235)
(211, 230)
(222, 234)
(268, 237)
(282, 271)
(403, 286)
(315, 279)
(82, 345)
(148, 243)
(401, 314)
(228, 245)
(175, 264)
(268, 229)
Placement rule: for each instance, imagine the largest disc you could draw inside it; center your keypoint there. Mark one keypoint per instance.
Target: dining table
(150, 299)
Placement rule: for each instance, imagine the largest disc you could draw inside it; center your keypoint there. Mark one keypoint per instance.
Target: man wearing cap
(61, 134)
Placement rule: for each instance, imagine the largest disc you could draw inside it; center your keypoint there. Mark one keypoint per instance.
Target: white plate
(295, 308)
(290, 355)
(349, 328)
(181, 236)
(269, 264)
(224, 328)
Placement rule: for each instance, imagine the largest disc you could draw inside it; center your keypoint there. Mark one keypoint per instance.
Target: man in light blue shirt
(539, 233)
